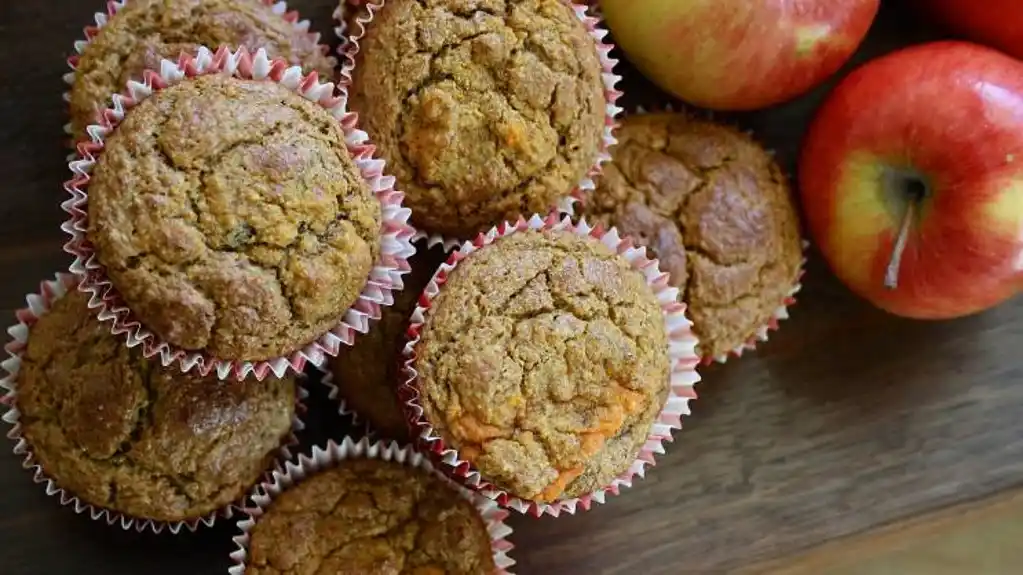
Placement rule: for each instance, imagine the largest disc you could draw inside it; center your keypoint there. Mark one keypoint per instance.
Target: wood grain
(847, 420)
(975, 537)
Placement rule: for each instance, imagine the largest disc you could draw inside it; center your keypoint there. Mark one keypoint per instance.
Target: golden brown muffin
(367, 373)
(370, 517)
(122, 433)
(544, 361)
(231, 218)
(716, 210)
(483, 109)
(145, 31)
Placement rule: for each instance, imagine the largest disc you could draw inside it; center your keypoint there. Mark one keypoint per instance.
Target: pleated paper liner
(351, 29)
(681, 349)
(115, 6)
(345, 10)
(762, 333)
(359, 422)
(38, 305)
(335, 454)
(395, 241)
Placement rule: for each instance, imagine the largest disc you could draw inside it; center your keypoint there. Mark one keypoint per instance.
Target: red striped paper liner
(38, 305)
(335, 454)
(349, 50)
(395, 232)
(681, 350)
(781, 312)
(115, 6)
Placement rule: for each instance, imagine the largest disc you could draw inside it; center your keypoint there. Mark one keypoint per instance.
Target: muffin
(123, 434)
(231, 219)
(543, 361)
(716, 211)
(366, 373)
(369, 516)
(142, 32)
(482, 113)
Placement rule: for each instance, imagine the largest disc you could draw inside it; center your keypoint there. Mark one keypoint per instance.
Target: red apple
(997, 23)
(738, 54)
(911, 178)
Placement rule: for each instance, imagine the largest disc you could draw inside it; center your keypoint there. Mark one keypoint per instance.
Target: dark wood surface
(847, 420)
(973, 538)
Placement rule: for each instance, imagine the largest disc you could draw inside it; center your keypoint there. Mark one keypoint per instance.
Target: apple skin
(996, 23)
(950, 113)
(738, 54)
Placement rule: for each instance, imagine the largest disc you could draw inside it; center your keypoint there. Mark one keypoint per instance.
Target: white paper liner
(335, 454)
(349, 49)
(343, 409)
(344, 8)
(115, 6)
(681, 350)
(762, 333)
(395, 241)
(39, 304)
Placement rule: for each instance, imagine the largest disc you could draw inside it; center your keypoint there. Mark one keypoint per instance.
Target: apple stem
(891, 276)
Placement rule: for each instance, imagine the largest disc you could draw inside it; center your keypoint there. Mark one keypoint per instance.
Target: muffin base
(38, 305)
(322, 458)
(395, 241)
(681, 350)
(113, 7)
(349, 49)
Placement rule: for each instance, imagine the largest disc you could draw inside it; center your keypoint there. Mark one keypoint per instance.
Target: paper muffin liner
(39, 304)
(396, 233)
(349, 49)
(334, 394)
(115, 6)
(681, 350)
(324, 458)
(781, 312)
(341, 13)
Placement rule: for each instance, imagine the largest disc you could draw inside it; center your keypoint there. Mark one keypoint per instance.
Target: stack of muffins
(231, 227)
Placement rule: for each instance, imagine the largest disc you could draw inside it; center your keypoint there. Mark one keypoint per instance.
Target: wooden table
(846, 421)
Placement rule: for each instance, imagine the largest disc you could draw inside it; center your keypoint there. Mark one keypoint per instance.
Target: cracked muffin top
(483, 109)
(544, 361)
(370, 517)
(231, 218)
(143, 32)
(717, 212)
(367, 372)
(122, 433)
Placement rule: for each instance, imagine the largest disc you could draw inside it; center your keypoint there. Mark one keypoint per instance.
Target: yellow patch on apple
(861, 215)
(1006, 208)
(808, 37)
(1006, 211)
